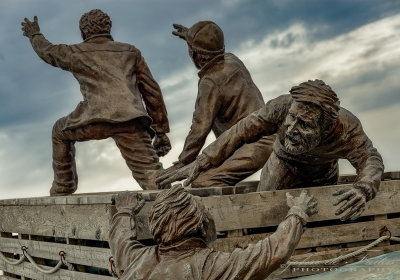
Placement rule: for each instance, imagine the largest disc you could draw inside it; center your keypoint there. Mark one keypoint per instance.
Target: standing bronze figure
(226, 94)
(182, 228)
(313, 133)
(114, 81)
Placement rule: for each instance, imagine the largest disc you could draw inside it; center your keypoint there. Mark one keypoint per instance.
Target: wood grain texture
(73, 221)
(230, 212)
(149, 195)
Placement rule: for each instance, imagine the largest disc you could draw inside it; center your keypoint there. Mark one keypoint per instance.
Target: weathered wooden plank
(106, 197)
(320, 236)
(75, 199)
(149, 195)
(349, 178)
(230, 212)
(73, 221)
(28, 270)
(262, 209)
(84, 255)
(283, 273)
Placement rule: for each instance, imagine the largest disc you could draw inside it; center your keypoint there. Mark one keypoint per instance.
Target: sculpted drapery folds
(121, 100)
(313, 132)
(183, 228)
(226, 94)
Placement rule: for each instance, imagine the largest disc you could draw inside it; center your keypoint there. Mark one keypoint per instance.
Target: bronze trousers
(244, 162)
(132, 139)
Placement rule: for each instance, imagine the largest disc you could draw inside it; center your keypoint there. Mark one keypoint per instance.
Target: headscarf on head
(176, 214)
(318, 93)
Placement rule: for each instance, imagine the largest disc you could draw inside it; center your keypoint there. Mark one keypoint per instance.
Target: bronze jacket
(191, 259)
(226, 94)
(113, 78)
(346, 140)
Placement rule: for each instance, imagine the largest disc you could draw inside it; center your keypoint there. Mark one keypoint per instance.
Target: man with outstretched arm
(226, 94)
(182, 228)
(115, 81)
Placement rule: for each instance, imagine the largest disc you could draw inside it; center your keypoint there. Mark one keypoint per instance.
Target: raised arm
(123, 243)
(56, 55)
(259, 260)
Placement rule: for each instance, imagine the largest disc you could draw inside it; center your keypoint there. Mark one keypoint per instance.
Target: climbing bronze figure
(313, 133)
(183, 228)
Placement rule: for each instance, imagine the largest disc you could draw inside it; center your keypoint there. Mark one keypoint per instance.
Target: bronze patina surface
(115, 81)
(313, 133)
(182, 228)
(226, 94)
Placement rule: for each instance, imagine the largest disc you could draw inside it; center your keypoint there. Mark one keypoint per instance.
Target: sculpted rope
(46, 271)
(344, 257)
(32, 261)
(9, 261)
(112, 267)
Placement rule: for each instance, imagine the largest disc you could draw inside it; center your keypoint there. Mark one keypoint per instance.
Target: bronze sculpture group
(297, 140)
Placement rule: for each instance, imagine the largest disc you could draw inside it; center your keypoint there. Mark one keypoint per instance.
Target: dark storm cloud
(30, 87)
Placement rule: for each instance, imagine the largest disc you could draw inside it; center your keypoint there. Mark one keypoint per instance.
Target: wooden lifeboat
(71, 232)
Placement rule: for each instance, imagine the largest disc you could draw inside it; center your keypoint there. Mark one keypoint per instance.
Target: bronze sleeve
(56, 55)
(152, 96)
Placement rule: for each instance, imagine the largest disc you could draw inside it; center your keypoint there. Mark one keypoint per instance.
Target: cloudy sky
(354, 46)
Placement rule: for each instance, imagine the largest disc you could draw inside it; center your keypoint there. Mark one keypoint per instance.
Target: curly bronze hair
(93, 23)
(177, 215)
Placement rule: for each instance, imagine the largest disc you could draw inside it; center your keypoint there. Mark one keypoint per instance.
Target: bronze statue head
(205, 40)
(313, 112)
(177, 215)
(94, 22)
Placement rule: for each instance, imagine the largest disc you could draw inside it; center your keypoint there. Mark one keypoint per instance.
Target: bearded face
(302, 129)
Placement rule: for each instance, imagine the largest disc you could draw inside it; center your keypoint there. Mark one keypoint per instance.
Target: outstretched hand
(354, 203)
(181, 31)
(306, 202)
(174, 167)
(30, 28)
(189, 172)
(177, 175)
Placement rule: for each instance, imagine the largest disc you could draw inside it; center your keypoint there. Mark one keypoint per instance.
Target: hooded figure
(226, 94)
(183, 228)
